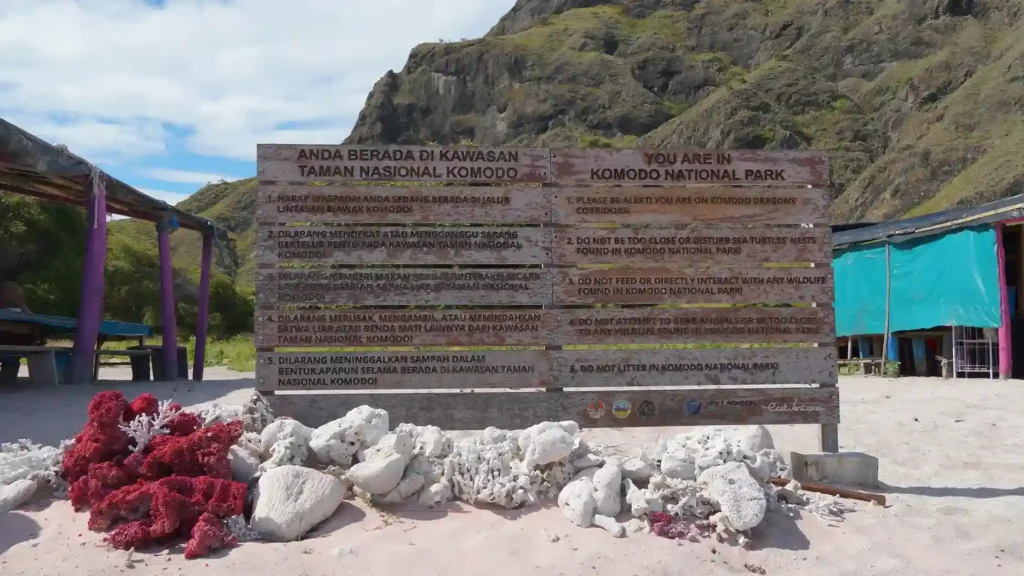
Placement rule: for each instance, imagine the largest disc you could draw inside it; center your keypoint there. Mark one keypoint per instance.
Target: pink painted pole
(170, 344)
(1005, 357)
(90, 309)
(202, 322)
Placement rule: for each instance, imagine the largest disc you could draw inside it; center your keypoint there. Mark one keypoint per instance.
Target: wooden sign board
(692, 245)
(281, 203)
(364, 327)
(334, 163)
(663, 285)
(403, 245)
(405, 287)
(631, 205)
(517, 410)
(401, 370)
(733, 325)
(676, 168)
(693, 367)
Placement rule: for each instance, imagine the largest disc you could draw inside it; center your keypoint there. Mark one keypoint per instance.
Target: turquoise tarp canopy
(942, 280)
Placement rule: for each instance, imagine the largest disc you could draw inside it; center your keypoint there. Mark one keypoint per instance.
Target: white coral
(144, 428)
(26, 460)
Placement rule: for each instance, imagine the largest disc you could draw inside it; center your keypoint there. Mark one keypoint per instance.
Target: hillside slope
(919, 102)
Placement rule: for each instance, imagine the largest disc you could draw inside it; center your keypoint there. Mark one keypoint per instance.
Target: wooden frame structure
(33, 167)
(475, 287)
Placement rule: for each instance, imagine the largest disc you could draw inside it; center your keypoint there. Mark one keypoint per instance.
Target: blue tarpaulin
(944, 280)
(63, 324)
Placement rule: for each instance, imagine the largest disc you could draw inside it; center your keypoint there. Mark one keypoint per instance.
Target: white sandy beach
(950, 463)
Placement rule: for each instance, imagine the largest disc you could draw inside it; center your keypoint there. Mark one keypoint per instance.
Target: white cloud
(186, 176)
(231, 72)
(171, 198)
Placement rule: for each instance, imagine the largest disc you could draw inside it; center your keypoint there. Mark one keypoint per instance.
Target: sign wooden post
(475, 287)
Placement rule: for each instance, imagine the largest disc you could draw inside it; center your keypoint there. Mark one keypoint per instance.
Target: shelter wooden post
(90, 309)
(1005, 358)
(203, 320)
(170, 330)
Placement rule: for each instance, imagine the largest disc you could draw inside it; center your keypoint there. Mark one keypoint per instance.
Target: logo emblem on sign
(645, 409)
(621, 408)
(693, 406)
(596, 409)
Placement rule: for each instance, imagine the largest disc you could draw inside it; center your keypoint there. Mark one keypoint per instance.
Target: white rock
(587, 461)
(679, 465)
(750, 438)
(571, 428)
(577, 502)
(736, 493)
(283, 427)
(337, 441)
(435, 493)
(546, 442)
(292, 500)
(637, 469)
(401, 444)
(641, 500)
(434, 443)
(16, 494)
(244, 463)
(380, 476)
(374, 423)
(610, 525)
(586, 473)
(284, 442)
(410, 484)
(607, 484)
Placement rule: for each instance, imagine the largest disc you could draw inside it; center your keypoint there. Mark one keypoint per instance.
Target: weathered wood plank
(405, 287)
(323, 328)
(395, 205)
(676, 167)
(402, 370)
(693, 367)
(449, 410)
(334, 163)
(518, 410)
(704, 407)
(663, 285)
(691, 245)
(738, 325)
(694, 205)
(403, 245)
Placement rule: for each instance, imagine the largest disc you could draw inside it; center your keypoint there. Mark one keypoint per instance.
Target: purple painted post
(90, 309)
(170, 344)
(1004, 332)
(202, 321)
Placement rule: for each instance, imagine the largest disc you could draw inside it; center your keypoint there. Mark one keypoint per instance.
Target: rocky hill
(919, 102)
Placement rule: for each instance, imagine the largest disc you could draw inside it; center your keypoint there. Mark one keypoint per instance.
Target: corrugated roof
(31, 166)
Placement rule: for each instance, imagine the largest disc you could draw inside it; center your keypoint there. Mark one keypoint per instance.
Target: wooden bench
(864, 366)
(117, 353)
(42, 364)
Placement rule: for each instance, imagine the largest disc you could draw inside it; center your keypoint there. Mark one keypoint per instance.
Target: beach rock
(410, 484)
(547, 442)
(750, 438)
(292, 500)
(736, 494)
(641, 500)
(284, 442)
(378, 476)
(609, 525)
(638, 470)
(607, 484)
(679, 465)
(587, 461)
(401, 444)
(577, 502)
(339, 440)
(245, 463)
(16, 494)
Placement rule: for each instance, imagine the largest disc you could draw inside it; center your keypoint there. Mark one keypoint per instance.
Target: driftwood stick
(834, 491)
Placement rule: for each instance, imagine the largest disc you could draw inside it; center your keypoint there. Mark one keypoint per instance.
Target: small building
(936, 293)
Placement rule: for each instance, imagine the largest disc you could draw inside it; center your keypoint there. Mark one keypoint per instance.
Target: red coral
(166, 508)
(209, 535)
(668, 526)
(177, 487)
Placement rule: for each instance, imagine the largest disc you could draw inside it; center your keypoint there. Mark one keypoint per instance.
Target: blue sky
(169, 95)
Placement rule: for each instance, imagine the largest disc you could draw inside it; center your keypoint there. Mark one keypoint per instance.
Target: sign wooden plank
(637, 408)
(734, 325)
(334, 163)
(405, 287)
(698, 245)
(694, 205)
(663, 285)
(401, 370)
(403, 245)
(522, 409)
(677, 167)
(324, 328)
(395, 205)
(693, 367)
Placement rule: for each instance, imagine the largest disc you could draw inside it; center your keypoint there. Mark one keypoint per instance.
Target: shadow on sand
(780, 532)
(16, 528)
(944, 491)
